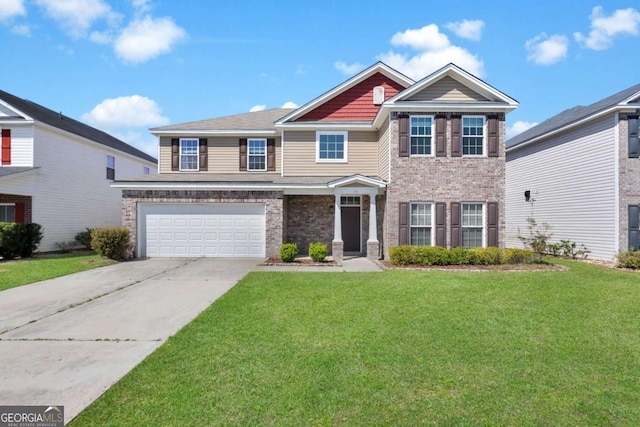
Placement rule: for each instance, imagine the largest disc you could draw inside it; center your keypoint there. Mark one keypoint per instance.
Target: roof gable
(57, 120)
(253, 121)
(625, 99)
(448, 89)
(392, 75)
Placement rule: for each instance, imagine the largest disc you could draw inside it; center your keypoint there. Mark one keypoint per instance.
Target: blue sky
(126, 65)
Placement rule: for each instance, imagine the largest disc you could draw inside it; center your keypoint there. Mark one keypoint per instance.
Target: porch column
(337, 246)
(373, 246)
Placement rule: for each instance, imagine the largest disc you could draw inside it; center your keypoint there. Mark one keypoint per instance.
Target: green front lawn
(400, 348)
(24, 271)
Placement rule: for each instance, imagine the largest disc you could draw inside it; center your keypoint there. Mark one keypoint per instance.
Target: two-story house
(57, 172)
(581, 174)
(377, 161)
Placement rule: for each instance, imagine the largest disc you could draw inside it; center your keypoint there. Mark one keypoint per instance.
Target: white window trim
(433, 220)
(197, 154)
(484, 219)
(484, 136)
(433, 130)
(346, 146)
(249, 155)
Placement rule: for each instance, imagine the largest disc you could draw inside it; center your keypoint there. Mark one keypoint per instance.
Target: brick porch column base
(373, 250)
(337, 250)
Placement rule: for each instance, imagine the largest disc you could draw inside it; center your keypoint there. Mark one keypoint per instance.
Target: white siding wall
(571, 176)
(70, 190)
(21, 145)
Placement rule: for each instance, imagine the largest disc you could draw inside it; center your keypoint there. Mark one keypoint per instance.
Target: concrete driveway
(65, 341)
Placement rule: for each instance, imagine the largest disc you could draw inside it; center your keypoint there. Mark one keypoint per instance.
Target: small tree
(538, 235)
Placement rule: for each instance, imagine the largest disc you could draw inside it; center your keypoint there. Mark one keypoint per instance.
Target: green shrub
(462, 256)
(430, 255)
(19, 239)
(629, 259)
(489, 256)
(288, 252)
(318, 251)
(402, 254)
(518, 256)
(84, 238)
(111, 242)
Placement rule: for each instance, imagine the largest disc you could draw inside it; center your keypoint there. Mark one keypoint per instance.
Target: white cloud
(11, 8)
(259, 107)
(125, 112)
(147, 38)
(77, 16)
(605, 28)
(519, 127)
(467, 29)
(434, 51)
(142, 6)
(289, 104)
(348, 69)
(101, 37)
(21, 30)
(547, 50)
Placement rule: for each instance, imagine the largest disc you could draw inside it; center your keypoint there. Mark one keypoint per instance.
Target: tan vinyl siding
(447, 89)
(223, 155)
(383, 151)
(571, 177)
(300, 159)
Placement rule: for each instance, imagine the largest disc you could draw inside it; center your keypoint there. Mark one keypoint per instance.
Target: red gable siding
(355, 103)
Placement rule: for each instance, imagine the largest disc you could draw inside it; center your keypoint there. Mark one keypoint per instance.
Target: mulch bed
(301, 262)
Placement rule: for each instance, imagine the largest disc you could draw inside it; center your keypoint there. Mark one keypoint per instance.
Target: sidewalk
(349, 264)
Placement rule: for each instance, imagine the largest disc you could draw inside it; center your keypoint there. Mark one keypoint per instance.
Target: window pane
(189, 146)
(256, 163)
(111, 162)
(421, 214)
(7, 213)
(471, 237)
(472, 135)
(257, 146)
(189, 162)
(472, 215)
(331, 146)
(421, 127)
(421, 236)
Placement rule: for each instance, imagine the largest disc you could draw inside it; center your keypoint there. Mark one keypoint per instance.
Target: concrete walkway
(65, 341)
(350, 264)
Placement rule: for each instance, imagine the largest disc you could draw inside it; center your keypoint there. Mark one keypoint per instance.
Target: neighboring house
(377, 161)
(582, 171)
(57, 172)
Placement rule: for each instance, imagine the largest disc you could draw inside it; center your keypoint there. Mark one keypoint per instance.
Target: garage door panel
(186, 230)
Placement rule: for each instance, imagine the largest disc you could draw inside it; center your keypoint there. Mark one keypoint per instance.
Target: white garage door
(201, 230)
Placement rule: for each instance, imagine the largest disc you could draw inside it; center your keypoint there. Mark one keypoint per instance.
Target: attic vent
(378, 95)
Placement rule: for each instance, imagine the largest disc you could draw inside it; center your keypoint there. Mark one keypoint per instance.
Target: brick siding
(11, 198)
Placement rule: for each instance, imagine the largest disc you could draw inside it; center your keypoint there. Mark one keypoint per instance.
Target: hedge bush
(111, 242)
(19, 240)
(629, 259)
(436, 255)
(318, 251)
(84, 238)
(288, 252)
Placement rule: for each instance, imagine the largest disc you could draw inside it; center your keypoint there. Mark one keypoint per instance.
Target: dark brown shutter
(19, 213)
(493, 223)
(456, 138)
(175, 154)
(634, 142)
(204, 158)
(441, 146)
(243, 154)
(493, 136)
(441, 224)
(403, 130)
(456, 226)
(271, 154)
(634, 228)
(403, 221)
(6, 147)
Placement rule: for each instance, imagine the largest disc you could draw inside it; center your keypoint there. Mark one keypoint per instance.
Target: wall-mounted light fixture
(527, 196)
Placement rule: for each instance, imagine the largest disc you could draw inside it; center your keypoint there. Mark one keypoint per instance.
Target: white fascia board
(457, 107)
(357, 178)
(631, 98)
(358, 78)
(326, 126)
(204, 132)
(4, 123)
(616, 108)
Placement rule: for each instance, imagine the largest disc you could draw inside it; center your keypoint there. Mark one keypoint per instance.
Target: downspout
(282, 153)
(616, 181)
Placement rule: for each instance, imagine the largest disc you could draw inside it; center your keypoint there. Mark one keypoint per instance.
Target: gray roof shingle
(257, 120)
(60, 121)
(571, 115)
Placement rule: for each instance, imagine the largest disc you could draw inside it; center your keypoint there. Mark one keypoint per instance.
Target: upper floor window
(472, 135)
(145, 170)
(7, 212)
(421, 129)
(331, 146)
(472, 225)
(421, 224)
(189, 154)
(111, 167)
(257, 150)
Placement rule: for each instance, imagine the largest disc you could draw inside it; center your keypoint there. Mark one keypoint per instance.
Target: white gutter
(233, 132)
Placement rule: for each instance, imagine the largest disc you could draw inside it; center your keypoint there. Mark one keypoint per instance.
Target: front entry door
(351, 228)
